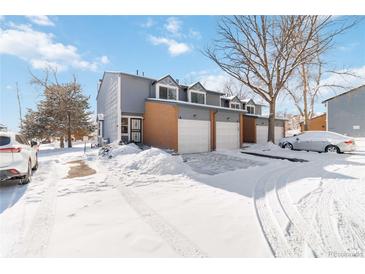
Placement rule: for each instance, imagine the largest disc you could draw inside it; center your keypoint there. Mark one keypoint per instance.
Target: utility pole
(19, 105)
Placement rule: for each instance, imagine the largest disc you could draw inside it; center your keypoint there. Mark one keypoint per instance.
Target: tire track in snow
(37, 238)
(327, 228)
(351, 222)
(176, 240)
(306, 231)
(35, 241)
(270, 227)
(351, 237)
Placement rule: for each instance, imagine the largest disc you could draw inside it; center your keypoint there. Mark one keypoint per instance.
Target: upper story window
(234, 105)
(250, 109)
(197, 97)
(167, 93)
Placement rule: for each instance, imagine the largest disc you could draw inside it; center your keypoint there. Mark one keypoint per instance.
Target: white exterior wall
(108, 103)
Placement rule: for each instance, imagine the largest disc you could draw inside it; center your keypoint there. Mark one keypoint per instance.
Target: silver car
(325, 141)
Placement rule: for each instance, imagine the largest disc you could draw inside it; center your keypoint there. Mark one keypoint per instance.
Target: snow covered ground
(221, 204)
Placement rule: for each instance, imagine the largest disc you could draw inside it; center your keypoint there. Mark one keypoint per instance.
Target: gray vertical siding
(213, 99)
(346, 111)
(135, 90)
(107, 105)
(194, 113)
(227, 116)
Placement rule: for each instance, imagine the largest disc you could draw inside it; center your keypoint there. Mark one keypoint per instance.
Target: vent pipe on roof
(142, 73)
(137, 71)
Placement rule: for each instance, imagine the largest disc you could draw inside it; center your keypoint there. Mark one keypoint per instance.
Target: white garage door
(262, 131)
(261, 134)
(279, 133)
(227, 135)
(193, 136)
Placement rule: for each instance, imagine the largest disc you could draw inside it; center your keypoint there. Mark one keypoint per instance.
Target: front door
(136, 130)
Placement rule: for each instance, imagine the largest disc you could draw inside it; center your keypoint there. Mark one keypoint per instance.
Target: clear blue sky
(88, 45)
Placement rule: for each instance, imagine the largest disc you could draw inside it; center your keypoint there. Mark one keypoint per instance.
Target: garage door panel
(227, 135)
(262, 132)
(279, 133)
(193, 136)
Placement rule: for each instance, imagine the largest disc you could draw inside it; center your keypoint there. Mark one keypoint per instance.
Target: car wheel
(332, 149)
(26, 179)
(36, 164)
(288, 146)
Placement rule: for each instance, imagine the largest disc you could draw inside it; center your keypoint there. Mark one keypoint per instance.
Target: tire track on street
(270, 227)
(174, 238)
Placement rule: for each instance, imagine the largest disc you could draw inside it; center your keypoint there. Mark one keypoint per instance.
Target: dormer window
(250, 109)
(197, 97)
(234, 105)
(167, 92)
(167, 88)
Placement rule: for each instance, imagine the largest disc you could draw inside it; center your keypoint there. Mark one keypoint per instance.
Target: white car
(18, 157)
(321, 141)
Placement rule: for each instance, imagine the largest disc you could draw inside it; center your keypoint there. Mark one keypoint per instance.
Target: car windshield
(4, 140)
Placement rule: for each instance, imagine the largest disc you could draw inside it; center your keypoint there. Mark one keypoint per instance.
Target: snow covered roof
(266, 116)
(245, 100)
(229, 97)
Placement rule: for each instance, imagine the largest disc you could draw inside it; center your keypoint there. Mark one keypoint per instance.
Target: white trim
(158, 85)
(254, 109)
(124, 134)
(234, 103)
(197, 91)
(194, 104)
(129, 126)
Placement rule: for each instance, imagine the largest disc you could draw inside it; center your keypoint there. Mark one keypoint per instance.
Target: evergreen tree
(63, 112)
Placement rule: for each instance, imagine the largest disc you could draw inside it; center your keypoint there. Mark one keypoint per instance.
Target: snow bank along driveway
(220, 204)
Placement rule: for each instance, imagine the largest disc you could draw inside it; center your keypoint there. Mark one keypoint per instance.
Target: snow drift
(151, 161)
(124, 150)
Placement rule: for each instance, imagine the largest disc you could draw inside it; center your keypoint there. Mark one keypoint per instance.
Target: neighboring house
(346, 112)
(316, 123)
(166, 114)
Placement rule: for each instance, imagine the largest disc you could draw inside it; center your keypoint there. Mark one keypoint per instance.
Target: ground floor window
(124, 125)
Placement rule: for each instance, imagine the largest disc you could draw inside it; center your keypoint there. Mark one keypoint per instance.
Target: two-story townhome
(163, 113)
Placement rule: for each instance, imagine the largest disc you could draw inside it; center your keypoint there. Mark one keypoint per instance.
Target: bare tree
(234, 87)
(307, 84)
(19, 103)
(262, 52)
